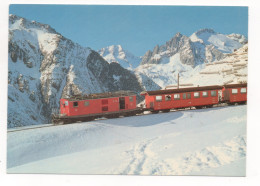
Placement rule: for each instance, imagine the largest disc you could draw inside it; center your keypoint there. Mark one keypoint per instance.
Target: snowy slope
(116, 53)
(238, 37)
(191, 142)
(166, 73)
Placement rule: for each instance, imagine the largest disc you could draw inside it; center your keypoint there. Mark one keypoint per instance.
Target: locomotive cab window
(243, 90)
(205, 94)
(168, 98)
(176, 96)
(158, 98)
(131, 99)
(86, 103)
(234, 91)
(213, 93)
(196, 94)
(66, 103)
(184, 96)
(75, 104)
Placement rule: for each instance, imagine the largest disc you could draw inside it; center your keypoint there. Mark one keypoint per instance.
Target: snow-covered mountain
(187, 55)
(231, 69)
(116, 53)
(224, 43)
(238, 37)
(44, 66)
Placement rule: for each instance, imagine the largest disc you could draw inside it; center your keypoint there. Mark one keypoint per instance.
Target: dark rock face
(178, 44)
(113, 76)
(147, 58)
(213, 53)
(100, 69)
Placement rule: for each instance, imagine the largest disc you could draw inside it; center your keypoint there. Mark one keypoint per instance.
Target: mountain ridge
(45, 66)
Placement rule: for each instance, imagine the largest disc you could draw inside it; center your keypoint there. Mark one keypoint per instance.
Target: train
(82, 108)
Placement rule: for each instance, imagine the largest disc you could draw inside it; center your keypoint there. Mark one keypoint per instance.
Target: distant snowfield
(191, 142)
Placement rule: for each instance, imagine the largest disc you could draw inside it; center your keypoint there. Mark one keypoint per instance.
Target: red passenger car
(89, 107)
(181, 98)
(234, 93)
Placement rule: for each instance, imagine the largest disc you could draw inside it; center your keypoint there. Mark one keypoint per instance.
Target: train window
(234, 91)
(86, 103)
(184, 96)
(158, 98)
(75, 104)
(168, 98)
(66, 103)
(205, 94)
(131, 99)
(176, 96)
(196, 94)
(188, 95)
(243, 90)
(213, 93)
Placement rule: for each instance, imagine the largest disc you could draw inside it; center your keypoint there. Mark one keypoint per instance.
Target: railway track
(52, 125)
(17, 130)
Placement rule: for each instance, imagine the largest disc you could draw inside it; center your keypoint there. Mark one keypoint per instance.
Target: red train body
(123, 103)
(181, 98)
(74, 107)
(89, 107)
(236, 93)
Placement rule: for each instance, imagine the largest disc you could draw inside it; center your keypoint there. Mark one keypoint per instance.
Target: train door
(220, 95)
(226, 96)
(122, 103)
(64, 107)
(151, 104)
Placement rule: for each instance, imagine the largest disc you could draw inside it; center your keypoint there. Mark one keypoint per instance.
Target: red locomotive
(123, 103)
(89, 107)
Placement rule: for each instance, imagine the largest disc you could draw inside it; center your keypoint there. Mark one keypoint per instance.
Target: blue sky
(136, 28)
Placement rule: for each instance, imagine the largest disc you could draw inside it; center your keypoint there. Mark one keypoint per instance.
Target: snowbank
(191, 142)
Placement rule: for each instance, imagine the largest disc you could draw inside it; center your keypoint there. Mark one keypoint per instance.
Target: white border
(253, 155)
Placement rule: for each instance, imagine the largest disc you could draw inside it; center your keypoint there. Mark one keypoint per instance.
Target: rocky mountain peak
(116, 53)
(177, 44)
(16, 22)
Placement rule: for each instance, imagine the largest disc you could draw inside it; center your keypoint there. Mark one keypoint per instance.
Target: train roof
(192, 89)
(180, 90)
(100, 95)
(235, 85)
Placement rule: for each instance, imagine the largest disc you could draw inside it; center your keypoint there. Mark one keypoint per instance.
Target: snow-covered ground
(191, 142)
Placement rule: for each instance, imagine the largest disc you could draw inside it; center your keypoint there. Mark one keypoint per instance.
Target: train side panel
(181, 100)
(93, 106)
